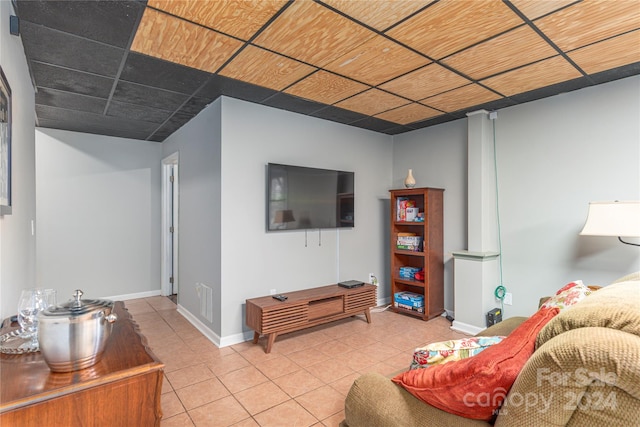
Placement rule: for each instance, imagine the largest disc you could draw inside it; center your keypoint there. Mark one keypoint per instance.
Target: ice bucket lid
(77, 307)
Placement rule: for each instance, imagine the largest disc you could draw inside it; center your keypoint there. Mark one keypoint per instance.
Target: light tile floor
(302, 382)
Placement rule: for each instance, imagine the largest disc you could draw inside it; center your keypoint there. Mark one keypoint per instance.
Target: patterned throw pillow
(451, 351)
(568, 295)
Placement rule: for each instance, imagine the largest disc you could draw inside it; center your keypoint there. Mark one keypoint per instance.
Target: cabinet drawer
(325, 307)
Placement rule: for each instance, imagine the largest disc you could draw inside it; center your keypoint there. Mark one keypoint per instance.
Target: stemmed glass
(31, 302)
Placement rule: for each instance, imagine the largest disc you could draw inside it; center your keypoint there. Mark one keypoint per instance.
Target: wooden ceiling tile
(326, 87)
(372, 102)
(451, 25)
(239, 18)
(591, 21)
(377, 61)
(510, 50)
(379, 14)
(312, 33)
(535, 76)
(425, 82)
(410, 113)
(166, 37)
(264, 68)
(615, 52)
(457, 99)
(533, 9)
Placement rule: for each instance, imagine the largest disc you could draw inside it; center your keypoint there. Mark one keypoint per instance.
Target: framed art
(5, 145)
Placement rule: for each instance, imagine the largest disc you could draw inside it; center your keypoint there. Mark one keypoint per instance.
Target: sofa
(584, 371)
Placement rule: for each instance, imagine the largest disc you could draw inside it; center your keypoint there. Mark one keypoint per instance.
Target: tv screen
(300, 198)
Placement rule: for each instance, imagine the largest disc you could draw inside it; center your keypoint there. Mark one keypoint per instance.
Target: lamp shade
(620, 219)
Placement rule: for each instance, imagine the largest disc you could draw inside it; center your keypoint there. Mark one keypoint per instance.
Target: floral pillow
(569, 295)
(451, 351)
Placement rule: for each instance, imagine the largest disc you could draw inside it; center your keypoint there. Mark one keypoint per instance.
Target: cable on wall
(500, 293)
(501, 289)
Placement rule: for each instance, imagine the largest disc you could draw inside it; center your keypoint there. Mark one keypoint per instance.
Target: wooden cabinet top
(26, 378)
(307, 295)
(414, 190)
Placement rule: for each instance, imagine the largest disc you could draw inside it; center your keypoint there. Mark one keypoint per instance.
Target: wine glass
(31, 302)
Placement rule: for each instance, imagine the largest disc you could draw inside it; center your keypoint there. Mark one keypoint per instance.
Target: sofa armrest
(585, 376)
(503, 328)
(375, 401)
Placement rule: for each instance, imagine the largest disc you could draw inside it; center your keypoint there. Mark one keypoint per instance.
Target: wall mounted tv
(301, 198)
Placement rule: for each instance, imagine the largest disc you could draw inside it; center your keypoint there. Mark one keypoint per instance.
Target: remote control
(280, 297)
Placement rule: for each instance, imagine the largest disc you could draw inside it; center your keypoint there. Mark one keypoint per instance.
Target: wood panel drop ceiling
(142, 69)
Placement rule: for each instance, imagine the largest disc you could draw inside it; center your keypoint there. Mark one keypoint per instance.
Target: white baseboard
(212, 336)
(236, 338)
(204, 329)
(466, 328)
(137, 295)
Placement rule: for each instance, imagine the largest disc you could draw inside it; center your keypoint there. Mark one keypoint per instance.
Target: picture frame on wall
(5, 145)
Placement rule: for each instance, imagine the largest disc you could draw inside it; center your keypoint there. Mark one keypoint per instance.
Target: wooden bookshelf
(429, 202)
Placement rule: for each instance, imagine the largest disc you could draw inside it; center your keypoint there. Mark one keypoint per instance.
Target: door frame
(170, 209)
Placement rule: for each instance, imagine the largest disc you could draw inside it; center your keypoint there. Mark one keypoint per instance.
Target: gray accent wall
(554, 156)
(200, 253)
(223, 240)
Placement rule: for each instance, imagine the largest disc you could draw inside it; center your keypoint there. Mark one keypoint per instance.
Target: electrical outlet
(272, 292)
(508, 298)
(373, 279)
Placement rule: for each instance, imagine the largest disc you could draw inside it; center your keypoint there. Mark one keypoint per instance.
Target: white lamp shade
(620, 219)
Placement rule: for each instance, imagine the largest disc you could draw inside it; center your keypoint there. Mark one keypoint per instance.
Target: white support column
(476, 269)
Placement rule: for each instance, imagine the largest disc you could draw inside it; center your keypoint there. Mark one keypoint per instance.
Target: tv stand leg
(256, 335)
(367, 314)
(270, 340)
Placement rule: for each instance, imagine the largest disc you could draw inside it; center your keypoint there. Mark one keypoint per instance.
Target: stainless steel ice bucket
(73, 335)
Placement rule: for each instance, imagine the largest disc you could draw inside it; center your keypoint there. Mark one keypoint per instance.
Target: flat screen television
(300, 198)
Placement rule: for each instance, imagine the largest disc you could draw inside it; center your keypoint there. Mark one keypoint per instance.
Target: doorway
(170, 203)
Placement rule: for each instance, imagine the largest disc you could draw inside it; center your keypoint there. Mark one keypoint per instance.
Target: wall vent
(205, 293)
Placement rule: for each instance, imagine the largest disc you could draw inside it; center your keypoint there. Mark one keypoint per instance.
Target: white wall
(255, 261)
(98, 214)
(17, 245)
(438, 157)
(555, 155)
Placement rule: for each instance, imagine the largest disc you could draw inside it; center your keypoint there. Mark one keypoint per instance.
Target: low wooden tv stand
(307, 308)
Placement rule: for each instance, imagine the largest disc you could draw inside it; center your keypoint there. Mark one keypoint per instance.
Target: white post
(476, 269)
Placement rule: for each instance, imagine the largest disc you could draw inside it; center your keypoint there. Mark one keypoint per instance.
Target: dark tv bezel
(268, 193)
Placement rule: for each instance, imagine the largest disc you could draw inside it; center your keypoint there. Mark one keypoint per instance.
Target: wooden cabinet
(428, 256)
(122, 389)
(307, 308)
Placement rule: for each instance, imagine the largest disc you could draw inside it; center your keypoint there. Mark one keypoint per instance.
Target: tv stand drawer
(325, 307)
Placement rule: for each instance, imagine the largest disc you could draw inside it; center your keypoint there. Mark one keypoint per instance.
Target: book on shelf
(402, 203)
(412, 248)
(408, 307)
(409, 243)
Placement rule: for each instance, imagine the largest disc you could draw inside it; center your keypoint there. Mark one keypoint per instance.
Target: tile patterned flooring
(302, 382)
